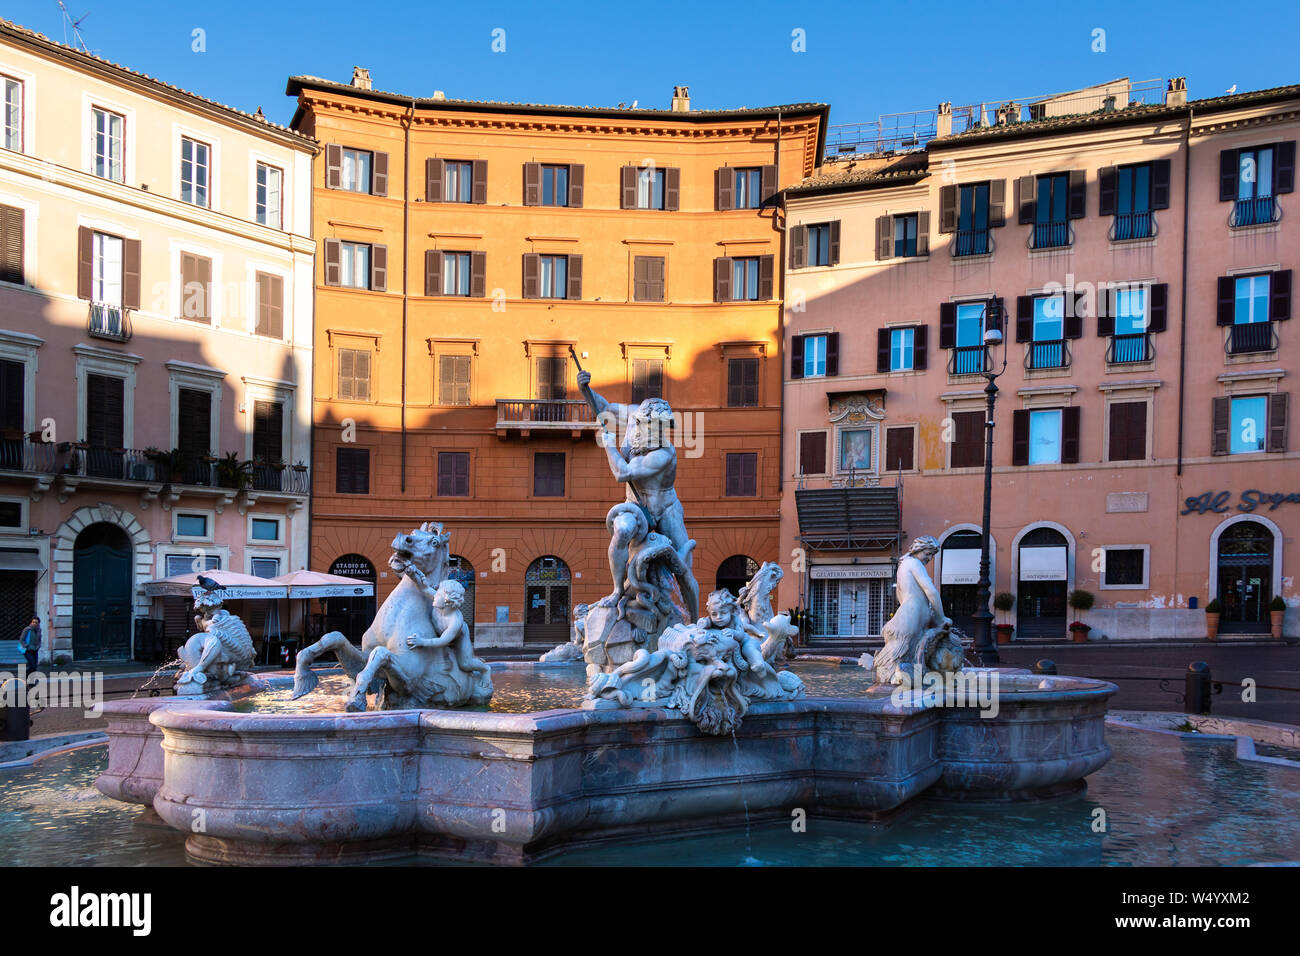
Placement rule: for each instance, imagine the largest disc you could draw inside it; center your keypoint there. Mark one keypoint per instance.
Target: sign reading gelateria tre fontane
(1252, 499)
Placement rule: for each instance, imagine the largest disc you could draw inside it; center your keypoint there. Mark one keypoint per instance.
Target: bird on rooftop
(1232, 89)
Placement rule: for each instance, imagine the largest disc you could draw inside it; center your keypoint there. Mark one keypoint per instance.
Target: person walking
(30, 643)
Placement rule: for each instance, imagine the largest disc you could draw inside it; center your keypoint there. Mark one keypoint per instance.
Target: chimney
(681, 99)
(439, 95)
(1176, 94)
(361, 78)
(943, 120)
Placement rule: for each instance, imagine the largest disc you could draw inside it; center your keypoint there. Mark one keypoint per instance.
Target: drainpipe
(406, 239)
(1182, 310)
(779, 267)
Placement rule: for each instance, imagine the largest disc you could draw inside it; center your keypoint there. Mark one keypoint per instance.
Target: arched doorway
(735, 572)
(101, 593)
(1043, 585)
(351, 614)
(546, 601)
(959, 578)
(1245, 577)
(459, 569)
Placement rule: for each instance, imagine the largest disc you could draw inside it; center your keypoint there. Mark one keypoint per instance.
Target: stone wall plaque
(1122, 502)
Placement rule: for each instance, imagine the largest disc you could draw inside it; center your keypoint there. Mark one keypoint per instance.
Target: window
(905, 235)
(1128, 431)
(270, 305)
(819, 244)
(187, 563)
(742, 383)
(195, 171)
(647, 379)
(856, 450)
(264, 529)
(648, 279)
(966, 337)
(12, 221)
(1051, 220)
(194, 434)
(268, 210)
(1251, 300)
(972, 220)
(814, 356)
(352, 471)
(453, 379)
(1045, 436)
(11, 514)
(357, 165)
(455, 273)
(900, 442)
(742, 474)
(1128, 313)
(268, 432)
(1249, 425)
(13, 113)
(191, 526)
(812, 453)
(196, 288)
(106, 286)
(1124, 567)
(553, 277)
(968, 440)
(264, 567)
(1047, 348)
(555, 186)
(748, 185)
(552, 378)
(354, 265)
(548, 474)
(354, 374)
(1252, 178)
(902, 344)
(1131, 194)
(744, 278)
(105, 421)
(1249, 304)
(650, 188)
(108, 131)
(458, 181)
(453, 474)
(13, 401)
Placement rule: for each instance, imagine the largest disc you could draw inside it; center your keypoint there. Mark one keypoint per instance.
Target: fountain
(677, 722)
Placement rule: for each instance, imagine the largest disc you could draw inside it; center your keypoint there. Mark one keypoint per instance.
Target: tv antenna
(75, 23)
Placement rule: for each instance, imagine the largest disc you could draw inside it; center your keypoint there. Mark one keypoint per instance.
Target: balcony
(1049, 353)
(968, 360)
(1133, 225)
(1251, 337)
(1257, 211)
(19, 453)
(110, 322)
(544, 414)
(1050, 235)
(1135, 347)
(971, 242)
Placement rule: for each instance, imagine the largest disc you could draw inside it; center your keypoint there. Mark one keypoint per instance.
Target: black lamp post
(985, 646)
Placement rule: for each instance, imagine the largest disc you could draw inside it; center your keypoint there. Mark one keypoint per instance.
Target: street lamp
(985, 646)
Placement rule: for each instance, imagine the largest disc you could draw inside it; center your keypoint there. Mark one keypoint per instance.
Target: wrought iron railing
(281, 478)
(1251, 337)
(1130, 347)
(1254, 212)
(968, 360)
(1133, 225)
(543, 412)
(1050, 353)
(109, 322)
(1051, 235)
(32, 457)
(971, 242)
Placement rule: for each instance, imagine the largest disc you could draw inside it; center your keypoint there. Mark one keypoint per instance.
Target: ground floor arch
(1044, 559)
(734, 573)
(547, 597)
(1245, 559)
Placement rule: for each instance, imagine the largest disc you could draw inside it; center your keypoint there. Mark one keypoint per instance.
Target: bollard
(1045, 666)
(15, 719)
(1197, 687)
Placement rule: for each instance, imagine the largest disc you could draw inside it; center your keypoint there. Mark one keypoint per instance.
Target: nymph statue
(919, 638)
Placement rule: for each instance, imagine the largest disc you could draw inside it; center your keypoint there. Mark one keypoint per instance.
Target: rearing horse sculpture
(417, 652)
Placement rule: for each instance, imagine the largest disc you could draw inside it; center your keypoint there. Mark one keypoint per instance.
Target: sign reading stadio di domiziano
(1217, 502)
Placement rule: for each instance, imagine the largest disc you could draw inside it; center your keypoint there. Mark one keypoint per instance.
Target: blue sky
(862, 58)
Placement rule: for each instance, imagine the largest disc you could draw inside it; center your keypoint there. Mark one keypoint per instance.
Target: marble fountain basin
(265, 786)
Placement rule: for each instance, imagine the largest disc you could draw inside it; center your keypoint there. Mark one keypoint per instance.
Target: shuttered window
(552, 377)
(11, 245)
(548, 474)
(647, 379)
(967, 449)
(356, 170)
(553, 185)
(352, 471)
(268, 431)
(742, 474)
(742, 383)
(812, 453)
(13, 394)
(453, 474)
(1128, 431)
(354, 374)
(648, 279)
(453, 379)
(194, 421)
(196, 288)
(270, 305)
(899, 448)
(105, 411)
(744, 187)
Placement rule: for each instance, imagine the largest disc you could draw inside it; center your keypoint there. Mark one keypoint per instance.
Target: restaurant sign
(1216, 502)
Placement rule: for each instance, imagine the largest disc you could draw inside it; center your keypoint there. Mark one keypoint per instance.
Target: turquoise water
(1166, 802)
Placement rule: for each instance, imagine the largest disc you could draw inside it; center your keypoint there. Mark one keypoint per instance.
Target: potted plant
(300, 465)
(278, 464)
(1080, 600)
(1004, 601)
(1276, 611)
(1212, 612)
(233, 473)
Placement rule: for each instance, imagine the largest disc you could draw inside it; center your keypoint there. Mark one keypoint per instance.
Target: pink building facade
(1138, 263)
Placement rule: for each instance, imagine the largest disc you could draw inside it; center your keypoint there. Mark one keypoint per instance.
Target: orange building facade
(466, 248)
